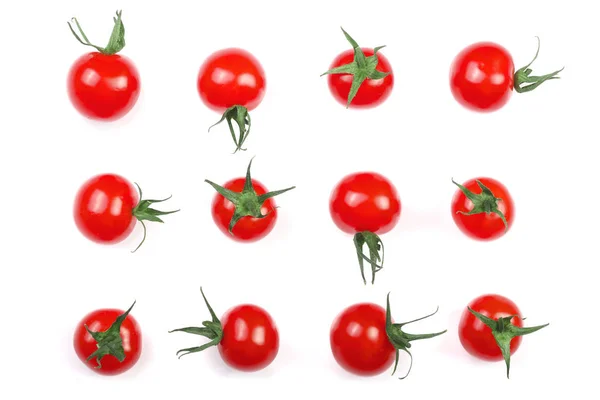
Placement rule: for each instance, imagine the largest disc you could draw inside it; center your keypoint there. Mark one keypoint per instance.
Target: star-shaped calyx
(361, 68)
(400, 339)
(109, 341)
(485, 202)
(247, 203)
(212, 330)
(116, 42)
(524, 82)
(504, 332)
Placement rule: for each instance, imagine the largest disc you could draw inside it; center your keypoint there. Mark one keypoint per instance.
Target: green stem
(524, 82)
(240, 115)
(116, 43)
(484, 202)
(376, 253)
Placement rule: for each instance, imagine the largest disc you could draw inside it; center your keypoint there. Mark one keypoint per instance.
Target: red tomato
(247, 338)
(482, 77)
(359, 342)
(107, 207)
(372, 92)
(128, 333)
(365, 201)
(231, 77)
(476, 337)
(250, 338)
(483, 225)
(248, 229)
(103, 85)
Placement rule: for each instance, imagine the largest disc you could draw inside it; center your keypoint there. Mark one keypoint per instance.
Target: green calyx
(142, 212)
(361, 68)
(376, 252)
(247, 203)
(210, 329)
(504, 331)
(485, 202)
(116, 42)
(400, 339)
(109, 341)
(240, 115)
(524, 82)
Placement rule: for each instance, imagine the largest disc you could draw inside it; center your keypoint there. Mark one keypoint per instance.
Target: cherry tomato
(117, 339)
(491, 328)
(476, 337)
(231, 77)
(107, 206)
(103, 85)
(247, 337)
(250, 338)
(487, 208)
(365, 204)
(232, 82)
(359, 342)
(243, 209)
(482, 77)
(365, 201)
(375, 78)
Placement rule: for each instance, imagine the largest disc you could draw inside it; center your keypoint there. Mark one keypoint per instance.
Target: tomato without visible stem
(107, 207)
(476, 337)
(372, 92)
(483, 225)
(247, 337)
(128, 333)
(103, 85)
(247, 229)
(231, 77)
(250, 338)
(359, 342)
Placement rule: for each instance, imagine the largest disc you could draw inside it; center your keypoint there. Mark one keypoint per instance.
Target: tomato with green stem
(243, 209)
(107, 207)
(366, 204)
(103, 85)
(491, 328)
(482, 208)
(232, 81)
(246, 337)
(482, 77)
(361, 77)
(108, 341)
(365, 341)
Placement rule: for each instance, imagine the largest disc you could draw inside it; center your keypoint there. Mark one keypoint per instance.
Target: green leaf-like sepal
(143, 212)
(485, 202)
(240, 115)
(504, 332)
(524, 82)
(109, 342)
(116, 43)
(376, 252)
(211, 330)
(400, 339)
(361, 68)
(247, 203)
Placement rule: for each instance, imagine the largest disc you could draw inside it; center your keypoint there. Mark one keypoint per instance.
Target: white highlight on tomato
(258, 335)
(98, 202)
(241, 330)
(354, 198)
(126, 337)
(246, 80)
(382, 202)
(118, 83)
(497, 79)
(116, 206)
(222, 76)
(90, 77)
(474, 74)
(373, 333)
(354, 329)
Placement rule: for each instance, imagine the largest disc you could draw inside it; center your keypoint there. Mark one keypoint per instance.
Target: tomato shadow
(218, 366)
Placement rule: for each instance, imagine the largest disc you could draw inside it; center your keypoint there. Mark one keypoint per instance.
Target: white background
(541, 146)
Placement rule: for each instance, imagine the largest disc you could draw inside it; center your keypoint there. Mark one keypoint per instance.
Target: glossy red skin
(365, 201)
(483, 226)
(250, 338)
(101, 320)
(372, 92)
(359, 342)
(476, 337)
(231, 77)
(482, 77)
(103, 87)
(103, 208)
(247, 229)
